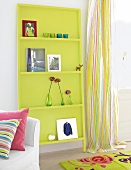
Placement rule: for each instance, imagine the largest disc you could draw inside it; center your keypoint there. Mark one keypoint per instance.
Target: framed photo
(29, 28)
(67, 128)
(35, 59)
(54, 62)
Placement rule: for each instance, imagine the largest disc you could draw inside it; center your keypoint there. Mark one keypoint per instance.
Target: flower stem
(50, 87)
(62, 100)
(60, 89)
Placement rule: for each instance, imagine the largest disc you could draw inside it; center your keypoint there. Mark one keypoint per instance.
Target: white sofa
(28, 159)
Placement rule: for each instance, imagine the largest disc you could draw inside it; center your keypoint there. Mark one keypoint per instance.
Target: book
(35, 59)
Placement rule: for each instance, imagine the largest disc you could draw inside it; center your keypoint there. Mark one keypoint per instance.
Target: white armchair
(28, 159)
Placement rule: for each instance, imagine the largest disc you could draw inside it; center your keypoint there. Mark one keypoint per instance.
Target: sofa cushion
(7, 132)
(19, 160)
(18, 142)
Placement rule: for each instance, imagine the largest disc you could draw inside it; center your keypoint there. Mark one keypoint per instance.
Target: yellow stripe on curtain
(98, 81)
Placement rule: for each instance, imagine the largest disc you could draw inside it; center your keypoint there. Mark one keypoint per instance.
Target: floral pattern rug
(113, 161)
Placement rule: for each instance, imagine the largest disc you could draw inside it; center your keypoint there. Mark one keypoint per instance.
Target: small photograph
(67, 128)
(54, 62)
(29, 28)
(35, 59)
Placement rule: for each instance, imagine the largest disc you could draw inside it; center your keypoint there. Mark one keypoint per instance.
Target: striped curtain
(101, 101)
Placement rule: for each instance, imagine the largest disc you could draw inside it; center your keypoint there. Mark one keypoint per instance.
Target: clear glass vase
(48, 101)
(70, 101)
(62, 100)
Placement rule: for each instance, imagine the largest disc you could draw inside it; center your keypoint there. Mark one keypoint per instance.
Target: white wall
(8, 52)
(121, 40)
(121, 59)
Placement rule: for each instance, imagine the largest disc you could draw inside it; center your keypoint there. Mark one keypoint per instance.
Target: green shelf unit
(49, 39)
(54, 107)
(34, 86)
(48, 73)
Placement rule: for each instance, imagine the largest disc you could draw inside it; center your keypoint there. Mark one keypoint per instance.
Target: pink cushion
(18, 142)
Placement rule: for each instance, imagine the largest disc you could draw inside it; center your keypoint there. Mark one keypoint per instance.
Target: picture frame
(54, 62)
(35, 60)
(29, 28)
(67, 128)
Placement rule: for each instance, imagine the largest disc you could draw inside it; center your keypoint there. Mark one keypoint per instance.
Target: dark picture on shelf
(67, 128)
(29, 28)
(35, 58)
(54, 62)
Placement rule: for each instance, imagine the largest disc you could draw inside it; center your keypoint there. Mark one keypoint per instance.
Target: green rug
(114, 161)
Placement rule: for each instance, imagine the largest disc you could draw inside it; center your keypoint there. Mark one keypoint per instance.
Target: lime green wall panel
(34, 86)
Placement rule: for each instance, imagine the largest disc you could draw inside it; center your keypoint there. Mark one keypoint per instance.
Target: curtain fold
(99, 96)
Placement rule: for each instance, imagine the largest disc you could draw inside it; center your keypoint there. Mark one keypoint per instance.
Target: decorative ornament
(79, 67)
(68, 92)
(48, 101)
(51, 137)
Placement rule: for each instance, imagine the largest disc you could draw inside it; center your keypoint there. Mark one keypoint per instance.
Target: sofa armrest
(32, 132)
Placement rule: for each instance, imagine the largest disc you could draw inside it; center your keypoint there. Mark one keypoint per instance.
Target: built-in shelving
(48, 73)
(49, 39)
(33, 87)
(56, 107)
